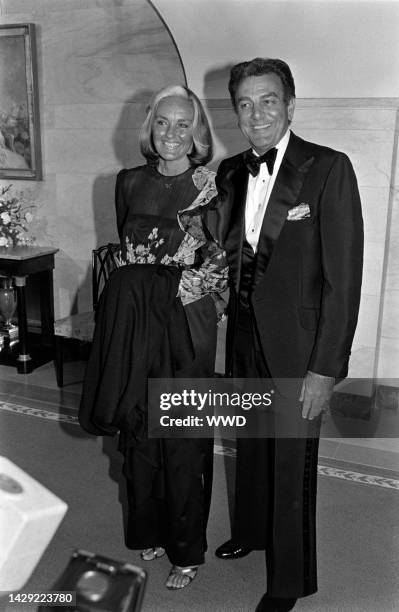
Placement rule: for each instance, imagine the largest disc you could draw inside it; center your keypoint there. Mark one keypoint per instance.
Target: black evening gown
(169, 500)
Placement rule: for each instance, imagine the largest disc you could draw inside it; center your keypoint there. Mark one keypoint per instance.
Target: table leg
(45, 279)
(24, 360)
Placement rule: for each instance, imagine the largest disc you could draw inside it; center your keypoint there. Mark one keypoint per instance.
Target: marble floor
(39, 390)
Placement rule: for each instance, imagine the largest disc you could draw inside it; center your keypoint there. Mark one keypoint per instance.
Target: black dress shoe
(275, 604)
(230, 550)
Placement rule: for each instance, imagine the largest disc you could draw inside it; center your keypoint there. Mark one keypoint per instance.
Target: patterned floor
(226, 450)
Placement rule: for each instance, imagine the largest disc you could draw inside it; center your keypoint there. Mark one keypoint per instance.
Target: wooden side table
(20, 263)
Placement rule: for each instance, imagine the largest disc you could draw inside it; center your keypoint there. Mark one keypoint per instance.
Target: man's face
(263, 115)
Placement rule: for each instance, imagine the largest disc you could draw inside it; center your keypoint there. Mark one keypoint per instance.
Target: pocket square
(302, 211)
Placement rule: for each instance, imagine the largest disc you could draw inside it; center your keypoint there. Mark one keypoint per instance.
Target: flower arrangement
(16, 214)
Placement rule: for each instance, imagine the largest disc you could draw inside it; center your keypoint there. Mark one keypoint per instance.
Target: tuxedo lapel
(235, 236)
(289, 181)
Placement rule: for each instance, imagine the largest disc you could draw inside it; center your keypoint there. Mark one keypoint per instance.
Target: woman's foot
(149, 554)
(180, 577)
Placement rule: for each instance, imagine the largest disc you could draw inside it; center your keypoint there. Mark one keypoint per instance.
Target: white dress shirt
(258, 194)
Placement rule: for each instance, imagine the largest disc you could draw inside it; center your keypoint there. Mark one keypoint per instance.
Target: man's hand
(315, 394)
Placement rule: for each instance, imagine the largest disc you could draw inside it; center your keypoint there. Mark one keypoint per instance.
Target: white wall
(345, 59)
(98, 62)
(336, 48)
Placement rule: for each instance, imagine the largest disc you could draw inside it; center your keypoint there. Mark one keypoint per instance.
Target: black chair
(80, 326)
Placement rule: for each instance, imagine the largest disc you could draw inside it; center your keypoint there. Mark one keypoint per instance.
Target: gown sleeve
(211, 277)
(120, 202)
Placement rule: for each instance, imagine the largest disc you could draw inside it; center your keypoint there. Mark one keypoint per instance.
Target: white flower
(154, 234)
(5, 217)
(3, 241)
(15, 216)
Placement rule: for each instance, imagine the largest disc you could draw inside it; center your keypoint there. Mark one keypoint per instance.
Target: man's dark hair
(257, 67)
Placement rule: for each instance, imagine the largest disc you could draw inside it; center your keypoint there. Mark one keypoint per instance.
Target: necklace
(168, 181)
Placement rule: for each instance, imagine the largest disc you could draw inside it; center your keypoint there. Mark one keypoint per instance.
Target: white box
(29, 516)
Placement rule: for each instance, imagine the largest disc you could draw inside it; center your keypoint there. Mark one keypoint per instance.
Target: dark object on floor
(80, 326)
(100, 583)
(230, 550)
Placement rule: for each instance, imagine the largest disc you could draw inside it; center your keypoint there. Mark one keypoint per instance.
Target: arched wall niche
(98, 63)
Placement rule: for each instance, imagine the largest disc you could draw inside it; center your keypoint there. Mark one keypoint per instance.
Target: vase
(8, 304)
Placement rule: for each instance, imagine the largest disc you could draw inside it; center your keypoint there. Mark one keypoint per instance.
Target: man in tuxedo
(289, 217)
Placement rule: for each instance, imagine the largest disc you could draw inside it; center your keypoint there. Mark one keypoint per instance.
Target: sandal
(149, 554)
(180, 577)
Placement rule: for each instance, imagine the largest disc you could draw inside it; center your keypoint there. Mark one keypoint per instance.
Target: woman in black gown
(168, 481)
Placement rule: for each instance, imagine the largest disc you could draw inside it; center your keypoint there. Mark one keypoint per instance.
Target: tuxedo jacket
(308, 272)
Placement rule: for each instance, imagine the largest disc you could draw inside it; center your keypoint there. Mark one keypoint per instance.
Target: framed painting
(20, 156)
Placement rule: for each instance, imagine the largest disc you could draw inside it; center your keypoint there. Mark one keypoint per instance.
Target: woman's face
(172, 128)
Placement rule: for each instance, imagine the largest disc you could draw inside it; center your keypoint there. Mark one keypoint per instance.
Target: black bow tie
(253, 162)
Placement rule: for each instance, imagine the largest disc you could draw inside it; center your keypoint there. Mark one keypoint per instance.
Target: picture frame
(20, 151)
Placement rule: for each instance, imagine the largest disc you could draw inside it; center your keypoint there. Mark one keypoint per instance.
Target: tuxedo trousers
(169, 481)
(276, 485)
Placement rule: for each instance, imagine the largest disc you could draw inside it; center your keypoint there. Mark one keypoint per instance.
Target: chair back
(103, 263)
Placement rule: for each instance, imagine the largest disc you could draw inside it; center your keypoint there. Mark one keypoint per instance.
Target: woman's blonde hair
(202, 150)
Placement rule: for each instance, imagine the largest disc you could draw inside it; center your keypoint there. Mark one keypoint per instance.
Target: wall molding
(390, 103)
